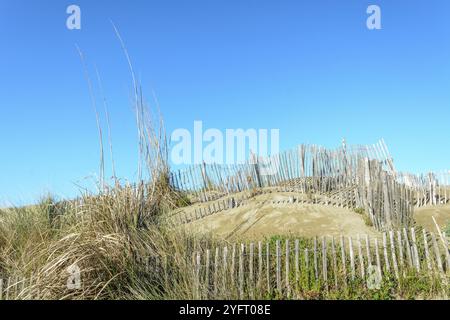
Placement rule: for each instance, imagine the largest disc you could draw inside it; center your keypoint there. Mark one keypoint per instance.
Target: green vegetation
(365, 217)
(182, 200)
(122, 246)
(124, 250)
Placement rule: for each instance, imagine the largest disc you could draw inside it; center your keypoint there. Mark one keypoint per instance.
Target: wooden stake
(400, 248)
(197, 275)
(233, 259)
(335, 270)
(427, 253)
(307, 265)
(324, 263)
(394, 259)
(409, 254)
(361, 257)
(297, 269)
(416, 252)
(386, 257)
(369, 258)
(437, 253)
(352, 258)
(225, 269)
(288, 289)
(377, 256)
(250, 267)
(278, 266)
(207, 267)
(316, 264)
(343, 260)
(241, 272)
(444, 243)
(268, 266)
(260, 264)
(216, 271)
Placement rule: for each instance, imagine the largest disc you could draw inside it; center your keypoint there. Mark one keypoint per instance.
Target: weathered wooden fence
(284, 268)
(387, 202)
(343, 199)
(355, 176)
(428, 189)
(307, 167)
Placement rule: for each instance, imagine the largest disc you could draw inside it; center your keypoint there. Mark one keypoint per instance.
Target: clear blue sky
(310, 68)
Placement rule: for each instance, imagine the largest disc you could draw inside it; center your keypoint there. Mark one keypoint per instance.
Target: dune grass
(124, 250)
(117, 237)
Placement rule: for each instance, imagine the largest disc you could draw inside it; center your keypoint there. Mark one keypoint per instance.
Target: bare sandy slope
(440, 213)
(262, 218)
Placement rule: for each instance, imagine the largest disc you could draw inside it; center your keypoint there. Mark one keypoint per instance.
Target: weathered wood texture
(282, 270)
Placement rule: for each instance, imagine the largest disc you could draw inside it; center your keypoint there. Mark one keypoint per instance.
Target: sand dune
(423, 216)
(262, 218)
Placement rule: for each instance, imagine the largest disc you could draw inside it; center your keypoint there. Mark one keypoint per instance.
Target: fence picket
(324, 263)
(361, 257)
(335, 270)
(216, 271)
(225, 270)
(288, 288)
(343, 259)
(377, 257)
(268, 266)
(316, 267)
(260, 265)
(278, 265)
(352, 258)
(416, 252)
(427, 253)
(437, 253)
(207, 267)
(386, 257)
(241, 271)
(394, 259)
(297, 269)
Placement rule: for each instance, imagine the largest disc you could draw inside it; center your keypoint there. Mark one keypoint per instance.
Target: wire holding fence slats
(350, 176)
(281, 271)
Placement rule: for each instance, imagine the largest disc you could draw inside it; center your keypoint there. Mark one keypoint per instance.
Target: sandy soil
(262, 218)
(440, 213)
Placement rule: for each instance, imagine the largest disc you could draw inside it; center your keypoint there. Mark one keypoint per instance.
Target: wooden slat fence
(429, 189)
(354, 177)
(307, 168)
(286, 267)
